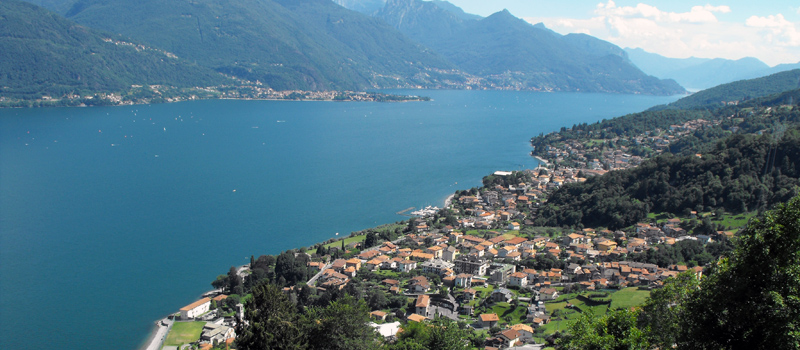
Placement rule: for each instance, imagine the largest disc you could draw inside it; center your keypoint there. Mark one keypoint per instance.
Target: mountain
(366, 7)
(738, 91)
(300, 44)
(457, 11)
(423, 21)
(510, 52)
(702, 73)
(44, 54)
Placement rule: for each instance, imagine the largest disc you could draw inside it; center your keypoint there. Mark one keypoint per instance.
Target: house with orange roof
(436, 251)
(369, 255)
(473, 239)
(525, 331)
(418, 255)
(378, 315)
(195, 309)
(423, 305)
(339, 265)
(519, 279)
(517, 242)
(373, 264)
(416, 318)
(489, 320)
(509, 337)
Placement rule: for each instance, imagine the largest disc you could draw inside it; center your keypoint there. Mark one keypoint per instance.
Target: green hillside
(303, 44)
(738, 91)
(43, 54)
(738, 171)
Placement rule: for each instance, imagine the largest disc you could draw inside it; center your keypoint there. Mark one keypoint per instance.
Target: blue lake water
(111, 218)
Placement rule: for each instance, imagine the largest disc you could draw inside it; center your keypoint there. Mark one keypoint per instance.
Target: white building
(195, 309)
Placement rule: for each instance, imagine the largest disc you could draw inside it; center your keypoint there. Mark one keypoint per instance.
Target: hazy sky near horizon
(768, 30)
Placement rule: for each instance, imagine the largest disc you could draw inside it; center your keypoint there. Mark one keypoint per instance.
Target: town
(483, 262)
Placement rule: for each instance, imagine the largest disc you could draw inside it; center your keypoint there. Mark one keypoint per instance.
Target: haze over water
(111, 218)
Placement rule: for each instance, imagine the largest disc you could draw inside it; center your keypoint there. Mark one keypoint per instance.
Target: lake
(113, 217)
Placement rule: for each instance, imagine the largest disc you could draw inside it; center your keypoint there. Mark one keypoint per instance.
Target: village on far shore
(473, 261)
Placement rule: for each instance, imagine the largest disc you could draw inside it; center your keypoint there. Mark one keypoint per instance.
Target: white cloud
(697, 14)
(776, 29)
(697, 32)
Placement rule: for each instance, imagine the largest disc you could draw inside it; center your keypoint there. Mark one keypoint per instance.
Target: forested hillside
(43, 54)
(738, 91)
(305, 44)
(744, 173)
(724, 165)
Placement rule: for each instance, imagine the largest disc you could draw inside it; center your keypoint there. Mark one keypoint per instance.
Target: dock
(404, 211)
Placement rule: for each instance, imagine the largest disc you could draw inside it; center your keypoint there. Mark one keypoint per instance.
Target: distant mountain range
(319, 45)
(510, 52)
(701, 73)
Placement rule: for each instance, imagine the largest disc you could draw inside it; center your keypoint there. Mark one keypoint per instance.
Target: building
(519, 279)
(406, 265)
(423, 305)
(463, 280)
(510, 337)
(501, 272)
(548, 294)
(471, 264)
(213, 332)
(437, 267)
(489, 320)
(195, 309)
(416, 318)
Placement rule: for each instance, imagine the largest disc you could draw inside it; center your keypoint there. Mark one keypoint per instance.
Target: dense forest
(743, 173)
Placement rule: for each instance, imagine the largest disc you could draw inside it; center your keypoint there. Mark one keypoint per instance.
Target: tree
(343, 324)
(221, 282)
(445, 334)
(612, 331)
(234, 281)
(751, 300)
(271, 322)
(371, 240)
(440, 334)
(663, 311)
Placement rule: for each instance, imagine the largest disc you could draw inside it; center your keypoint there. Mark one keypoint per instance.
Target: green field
(624, 298)
(506, 310)
(629, 297)
(184, 333)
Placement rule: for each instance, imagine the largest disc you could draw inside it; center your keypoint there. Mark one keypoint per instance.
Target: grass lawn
(184, 332)
(348, 240)
(734, 220)
(629, 297)
(483, 292)
(388, 274)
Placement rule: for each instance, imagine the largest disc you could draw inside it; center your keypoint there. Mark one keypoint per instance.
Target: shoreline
(351, 96)
(155, 341)
(542, 161)
(153, 338)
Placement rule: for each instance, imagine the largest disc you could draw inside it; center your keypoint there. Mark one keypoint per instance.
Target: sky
(768, 29)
